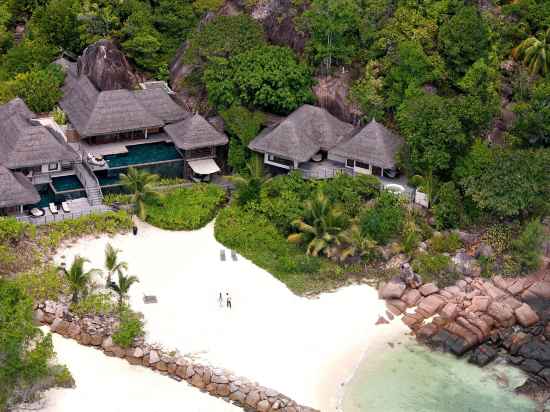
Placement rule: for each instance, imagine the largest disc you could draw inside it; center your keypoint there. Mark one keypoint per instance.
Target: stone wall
(97, 331)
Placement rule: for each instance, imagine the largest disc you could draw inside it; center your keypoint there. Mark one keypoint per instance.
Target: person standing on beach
(220, 300)
(228, 301)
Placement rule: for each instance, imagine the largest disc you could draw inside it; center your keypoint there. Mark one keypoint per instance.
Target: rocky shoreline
(97, 331)
(482, 319)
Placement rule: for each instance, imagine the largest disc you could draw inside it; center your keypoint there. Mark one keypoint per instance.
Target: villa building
(319, 145)
(34, 159)
(142, 128)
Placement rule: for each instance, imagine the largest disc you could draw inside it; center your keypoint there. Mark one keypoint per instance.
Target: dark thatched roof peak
(24, 143)
(195, 132)
(302, 134)
(15, 189)
(374, 144)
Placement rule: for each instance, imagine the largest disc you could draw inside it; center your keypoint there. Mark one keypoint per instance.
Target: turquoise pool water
(142, 154)
(410, 377)
(65, 183)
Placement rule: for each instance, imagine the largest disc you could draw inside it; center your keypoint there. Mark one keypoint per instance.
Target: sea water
(409, 377)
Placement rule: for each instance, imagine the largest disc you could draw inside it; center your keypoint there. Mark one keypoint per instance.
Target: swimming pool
(66, 183)
(143, 154)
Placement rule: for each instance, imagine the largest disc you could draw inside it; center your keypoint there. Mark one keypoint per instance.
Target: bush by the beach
(109, 222)
(186, 208)
(122, 198)
(445, 242)
(130, 328)
(26, 352)
(44, 283)
(384, 220)
(436, 268)
(527, 248)
(253, 236)
(100, 303)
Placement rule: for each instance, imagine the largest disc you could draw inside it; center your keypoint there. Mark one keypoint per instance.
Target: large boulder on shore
(394, 289)
(106, 66)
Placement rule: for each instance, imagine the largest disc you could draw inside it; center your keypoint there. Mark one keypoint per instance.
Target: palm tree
(320, 226)
(140, 184)
(352, 243)
(248, 185)
(123, 286)
(535, 53)
(79, 279)
(111, 262)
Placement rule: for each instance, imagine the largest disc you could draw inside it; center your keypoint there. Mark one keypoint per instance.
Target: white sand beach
(113, 385)
(304, 348)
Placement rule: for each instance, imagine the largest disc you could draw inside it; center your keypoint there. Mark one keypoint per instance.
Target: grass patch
(253, 236)
(186, 208)
(100, 303)
(130, 328)
(43, 284)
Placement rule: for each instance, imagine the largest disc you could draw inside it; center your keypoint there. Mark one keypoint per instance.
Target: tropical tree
(534, 52)
(78, 278)
(140, 184)
(320, 226)
(249, 184)
(352, 243)
(112, 264)
(123, 286)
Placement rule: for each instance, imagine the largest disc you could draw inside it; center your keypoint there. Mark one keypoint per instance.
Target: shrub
(130, 328)
(12, 231)
(447, 206)
(122, 198)
(110, 222)
(499, 237)
(186, 208)
(445, 243)
(43, 284)
(351, 191)
(527, 248)
(95, 304)
(385, 220)
(435, 268)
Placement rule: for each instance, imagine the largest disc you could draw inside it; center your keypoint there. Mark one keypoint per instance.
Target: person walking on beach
(228, 301)
(220, 300)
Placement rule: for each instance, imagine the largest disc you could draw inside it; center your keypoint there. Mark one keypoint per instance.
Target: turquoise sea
(411, 378)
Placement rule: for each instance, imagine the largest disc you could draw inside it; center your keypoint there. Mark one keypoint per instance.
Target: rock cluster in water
(97, 331)
(480, 316)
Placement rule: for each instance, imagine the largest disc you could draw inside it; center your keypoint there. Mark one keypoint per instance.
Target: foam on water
(410, 377)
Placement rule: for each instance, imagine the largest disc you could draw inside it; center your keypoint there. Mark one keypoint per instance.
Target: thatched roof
(159, 102)
(94, 113)
(15, 189)
(302, 134)
(195, 132)
(373, 144)
(23, 143)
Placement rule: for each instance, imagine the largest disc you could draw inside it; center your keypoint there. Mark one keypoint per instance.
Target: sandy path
(113, 385)
(304, 348)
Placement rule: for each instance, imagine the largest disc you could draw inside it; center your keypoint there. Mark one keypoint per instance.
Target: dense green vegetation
(186, 208)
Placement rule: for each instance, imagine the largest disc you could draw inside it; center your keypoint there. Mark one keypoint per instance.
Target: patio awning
(204, 166)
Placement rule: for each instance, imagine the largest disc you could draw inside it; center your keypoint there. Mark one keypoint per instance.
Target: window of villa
(52, 166)
(280, 160)
(362, 165)
(350, 163)
(202, 152)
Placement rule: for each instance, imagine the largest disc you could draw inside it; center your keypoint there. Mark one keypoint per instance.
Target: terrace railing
(324, 172)
(61, 216)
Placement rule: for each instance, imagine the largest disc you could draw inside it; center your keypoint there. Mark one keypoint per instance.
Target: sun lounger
(233, 256)
(65, 207)
(53, 209)
(222, 255)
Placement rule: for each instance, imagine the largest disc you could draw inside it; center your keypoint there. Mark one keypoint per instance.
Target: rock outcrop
(106, 66)
(332, 93)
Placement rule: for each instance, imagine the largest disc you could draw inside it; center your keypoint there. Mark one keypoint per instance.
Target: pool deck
(79, 207)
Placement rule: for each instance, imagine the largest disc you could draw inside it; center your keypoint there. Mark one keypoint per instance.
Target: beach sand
(113, 385)
(304, 348)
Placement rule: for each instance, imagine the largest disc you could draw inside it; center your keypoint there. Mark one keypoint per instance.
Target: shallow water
(410, 377)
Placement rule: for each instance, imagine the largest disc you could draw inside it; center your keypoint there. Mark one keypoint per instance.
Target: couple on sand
(227, 300)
